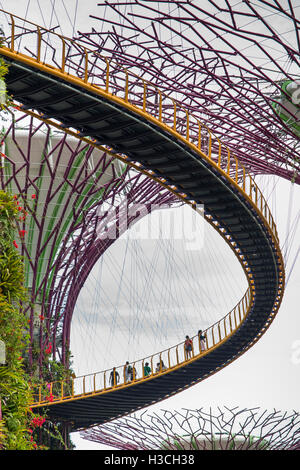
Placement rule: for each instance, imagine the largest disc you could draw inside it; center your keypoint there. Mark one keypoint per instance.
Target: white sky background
(267, 376)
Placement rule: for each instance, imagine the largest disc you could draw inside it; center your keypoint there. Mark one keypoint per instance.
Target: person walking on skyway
(127, 372)
(114, 377)
(147, 369)
(202, 338)
(188, 347)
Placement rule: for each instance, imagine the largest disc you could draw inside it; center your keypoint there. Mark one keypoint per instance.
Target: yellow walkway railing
(107, 79)
(71, 61)
(148, 367)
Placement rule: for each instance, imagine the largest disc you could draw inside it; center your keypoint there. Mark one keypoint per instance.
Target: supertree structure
(74, 202)
(221, 429)
(234, 65)
(235, 69)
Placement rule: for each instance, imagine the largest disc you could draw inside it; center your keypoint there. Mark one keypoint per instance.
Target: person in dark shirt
(114, 377)
(202, 339)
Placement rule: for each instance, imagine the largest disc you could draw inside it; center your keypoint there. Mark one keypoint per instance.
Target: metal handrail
(83, 385)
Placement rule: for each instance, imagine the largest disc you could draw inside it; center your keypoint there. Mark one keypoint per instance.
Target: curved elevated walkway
(188, 160)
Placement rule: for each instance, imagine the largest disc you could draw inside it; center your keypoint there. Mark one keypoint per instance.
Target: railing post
(250, 187)
(219, 329)
(228, 161)
(187, 125)
(244, 179)
(63, 58)
(243, 307)
(133, 371)
(107, 75)
(199, 135)
(220, 154)
(209, 144)
(160, 106)
(175, 111)
(86, 65)
(12, 42)
(236, 169)
(144, 96)
(39, 44)
(126, 86)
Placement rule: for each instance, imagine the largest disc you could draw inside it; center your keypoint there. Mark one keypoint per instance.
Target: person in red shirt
(188, 347)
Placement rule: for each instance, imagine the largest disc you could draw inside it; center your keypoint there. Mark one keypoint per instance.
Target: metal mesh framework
(224, 61)
(75, 201)
(223, 429)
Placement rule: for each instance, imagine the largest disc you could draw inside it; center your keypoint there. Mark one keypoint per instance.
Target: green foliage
(14, 387)
(3, 68)
(20, 428)
(6, 100)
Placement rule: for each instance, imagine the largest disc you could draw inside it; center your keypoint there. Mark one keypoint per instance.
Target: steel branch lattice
(222, 429)
(64, 184)
(225, 63)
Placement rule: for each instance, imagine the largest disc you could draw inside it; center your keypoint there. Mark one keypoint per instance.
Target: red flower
(33, 196)
(49, 349)
(22, 233)
(37, 422)
(50, 397)
(15, 244)
(42, 317)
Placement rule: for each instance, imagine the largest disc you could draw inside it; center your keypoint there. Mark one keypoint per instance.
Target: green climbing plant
(5, 99)
(15, 393)
(20, 428)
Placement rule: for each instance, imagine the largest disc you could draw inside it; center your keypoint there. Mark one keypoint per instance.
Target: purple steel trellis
(203, 70)
(222, 429)
(224, 63)
(63, 183)
(142, 191)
